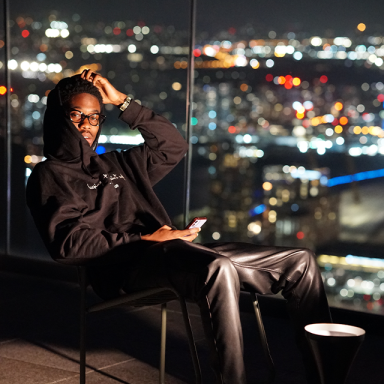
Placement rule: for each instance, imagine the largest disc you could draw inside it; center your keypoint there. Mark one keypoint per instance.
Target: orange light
(267, 186)
(28, 159)
(365, 130)
(338, 106)
(43, 47)
(357, 130)
(281, 80)
(338, 129)
(232, 129)
(244, 87)
(300, 235)
(361, 27)
(300, 115)
(177, 64)
(296, 81)
(343, 120)
(3, 90)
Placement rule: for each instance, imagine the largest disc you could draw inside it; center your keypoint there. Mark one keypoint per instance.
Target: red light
(129, 32)
(3, 90)
(335, 122)
(300, 235)
(232, 30)
(380, 97)
(25, 33)
(196, 52)
(288, 85)
(232, 129)
(288, 77)
(367, 297)
(323, 79)
(141, 24)
(116, 31)
(306, 123)
(269, 77)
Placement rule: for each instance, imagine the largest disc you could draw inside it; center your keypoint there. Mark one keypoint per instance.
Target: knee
(307, 259)
(222, 269)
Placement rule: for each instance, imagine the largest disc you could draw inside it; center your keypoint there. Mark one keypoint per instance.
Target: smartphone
(196, 222)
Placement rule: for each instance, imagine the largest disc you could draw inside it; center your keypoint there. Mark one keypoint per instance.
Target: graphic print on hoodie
(85, 204)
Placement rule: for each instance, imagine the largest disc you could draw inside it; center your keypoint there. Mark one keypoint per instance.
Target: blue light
(212, 114)
(257, 210)
(356, 177)
(294, 207)
(211, 170)
(212, 126)
(100, 150)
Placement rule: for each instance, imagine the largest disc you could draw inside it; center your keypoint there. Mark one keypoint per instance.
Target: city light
(361, 27)
(255, 99)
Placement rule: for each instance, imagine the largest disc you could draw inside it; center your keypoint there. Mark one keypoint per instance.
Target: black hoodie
(85, 204)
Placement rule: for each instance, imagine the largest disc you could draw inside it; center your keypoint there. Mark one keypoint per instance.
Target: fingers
(188, 234)
(190, 238)
(90, 76)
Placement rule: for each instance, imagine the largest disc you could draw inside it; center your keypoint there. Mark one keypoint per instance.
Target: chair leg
(191, 341)
(83, 323)
(163, 342)
(263, 339)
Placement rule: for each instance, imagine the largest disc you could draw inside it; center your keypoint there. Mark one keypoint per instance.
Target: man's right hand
(167, 233)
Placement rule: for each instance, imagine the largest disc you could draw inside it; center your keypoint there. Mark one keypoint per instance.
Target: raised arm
(163, 148)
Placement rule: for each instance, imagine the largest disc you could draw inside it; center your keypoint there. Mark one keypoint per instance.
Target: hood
(62, 141)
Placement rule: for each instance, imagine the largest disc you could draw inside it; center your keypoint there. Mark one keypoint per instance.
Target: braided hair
(75, 85)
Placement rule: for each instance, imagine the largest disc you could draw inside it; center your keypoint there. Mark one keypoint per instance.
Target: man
(103, 209)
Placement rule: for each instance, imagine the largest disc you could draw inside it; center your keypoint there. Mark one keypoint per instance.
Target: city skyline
(277, 118)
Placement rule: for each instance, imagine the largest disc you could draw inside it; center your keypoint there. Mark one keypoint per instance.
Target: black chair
(138, 299)
(263, 339)
(161, 296)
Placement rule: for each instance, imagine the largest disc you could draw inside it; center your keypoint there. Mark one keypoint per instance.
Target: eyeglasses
(78, 117)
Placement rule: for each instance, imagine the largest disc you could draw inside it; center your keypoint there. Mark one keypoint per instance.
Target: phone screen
(197, 222)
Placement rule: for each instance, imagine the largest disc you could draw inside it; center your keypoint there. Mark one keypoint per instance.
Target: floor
(39, 341)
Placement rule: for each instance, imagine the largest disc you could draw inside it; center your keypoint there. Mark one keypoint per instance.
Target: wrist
(120, 100)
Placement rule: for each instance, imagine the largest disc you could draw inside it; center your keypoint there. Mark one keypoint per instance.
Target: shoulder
(45, 169)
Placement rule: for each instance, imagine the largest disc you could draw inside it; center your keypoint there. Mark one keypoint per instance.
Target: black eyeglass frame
(84, 116)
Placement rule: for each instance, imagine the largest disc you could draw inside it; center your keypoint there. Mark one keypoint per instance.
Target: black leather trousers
(213, 275)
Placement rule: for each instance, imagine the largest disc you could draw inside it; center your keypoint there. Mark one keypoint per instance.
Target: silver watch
(124, 106)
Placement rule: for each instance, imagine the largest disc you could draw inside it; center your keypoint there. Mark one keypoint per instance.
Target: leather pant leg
(210, 280)
(212, 276)
(294, 272)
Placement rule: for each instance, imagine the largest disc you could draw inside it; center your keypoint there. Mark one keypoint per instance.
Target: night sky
(314, 17)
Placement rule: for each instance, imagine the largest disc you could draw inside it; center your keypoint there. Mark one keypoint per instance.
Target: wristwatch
(124, 106)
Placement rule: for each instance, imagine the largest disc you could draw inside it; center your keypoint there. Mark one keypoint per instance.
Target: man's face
(88, 105)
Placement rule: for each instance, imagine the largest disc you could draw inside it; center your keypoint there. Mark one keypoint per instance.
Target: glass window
(287, 126)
